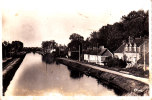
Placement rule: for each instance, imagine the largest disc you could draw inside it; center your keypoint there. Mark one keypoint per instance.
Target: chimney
(129, 40)
(135, 46)
(130, 47)
(126, 47)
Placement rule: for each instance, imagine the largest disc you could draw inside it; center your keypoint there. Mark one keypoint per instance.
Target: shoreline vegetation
(139, 72)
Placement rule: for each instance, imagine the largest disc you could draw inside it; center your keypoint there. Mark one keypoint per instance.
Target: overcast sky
(34, 21)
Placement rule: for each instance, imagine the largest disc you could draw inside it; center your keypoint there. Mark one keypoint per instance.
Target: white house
(132, 50)
(97, 55)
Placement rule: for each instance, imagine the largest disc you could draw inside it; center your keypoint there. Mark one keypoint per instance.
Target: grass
(139, 72)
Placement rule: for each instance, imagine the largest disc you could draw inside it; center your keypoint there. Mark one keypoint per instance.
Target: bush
(138, 71)
(115, 62)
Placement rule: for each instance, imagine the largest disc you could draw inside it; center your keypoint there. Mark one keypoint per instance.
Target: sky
(34, 21)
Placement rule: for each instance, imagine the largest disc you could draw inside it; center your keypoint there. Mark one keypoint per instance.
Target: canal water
(37, 76)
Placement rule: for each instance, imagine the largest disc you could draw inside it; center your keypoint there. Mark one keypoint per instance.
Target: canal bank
(128, 84)
(35, 77)
(9, 70)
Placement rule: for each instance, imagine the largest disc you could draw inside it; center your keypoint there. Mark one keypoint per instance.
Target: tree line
(135, 24)
(59, 50)
(10, 49)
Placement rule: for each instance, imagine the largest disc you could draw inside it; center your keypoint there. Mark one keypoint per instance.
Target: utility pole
(97, 52)
(144, 57)
(136, 53)
(79, 52)
(59, 51)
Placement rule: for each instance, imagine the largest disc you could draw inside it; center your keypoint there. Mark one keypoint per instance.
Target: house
(132, 50)
(97, 55)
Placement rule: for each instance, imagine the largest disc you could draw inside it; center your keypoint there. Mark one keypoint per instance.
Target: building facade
(97, 55)
(132, 50)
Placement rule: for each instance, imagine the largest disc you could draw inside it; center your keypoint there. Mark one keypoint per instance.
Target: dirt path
(144, 80)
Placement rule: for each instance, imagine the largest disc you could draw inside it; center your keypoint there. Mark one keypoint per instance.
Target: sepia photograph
(75, 48)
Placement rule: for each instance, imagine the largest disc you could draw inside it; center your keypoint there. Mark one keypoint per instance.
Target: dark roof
(137, 41)
(103, 52)
(96, 52)
(120, 49)
(107, 53)
(93, 52)
(141, 60)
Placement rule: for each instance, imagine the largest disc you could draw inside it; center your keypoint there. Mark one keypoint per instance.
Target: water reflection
(33, 79)
(48, 58)
(75, 74)
(119, 91)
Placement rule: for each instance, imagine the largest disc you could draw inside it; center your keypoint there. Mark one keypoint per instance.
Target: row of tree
(9, 49)
(57, 49)
(49, 44)
(32, 49)
(135, 24)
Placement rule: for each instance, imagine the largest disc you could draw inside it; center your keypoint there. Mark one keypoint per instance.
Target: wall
(119, 82)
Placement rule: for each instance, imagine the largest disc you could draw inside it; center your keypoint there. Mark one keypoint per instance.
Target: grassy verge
(139, 72)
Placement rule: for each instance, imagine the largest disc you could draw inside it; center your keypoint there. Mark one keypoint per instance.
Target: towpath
(144, 80)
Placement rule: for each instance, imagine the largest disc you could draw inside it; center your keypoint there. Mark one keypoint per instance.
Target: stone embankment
(9, 70)
(122, 83)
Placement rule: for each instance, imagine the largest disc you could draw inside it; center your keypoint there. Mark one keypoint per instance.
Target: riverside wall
(120, 84)
(10, 72)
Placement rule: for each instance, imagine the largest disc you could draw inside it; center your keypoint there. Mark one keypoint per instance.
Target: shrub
(115, 62)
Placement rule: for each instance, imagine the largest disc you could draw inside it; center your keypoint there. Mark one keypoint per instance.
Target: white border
(150, 48)
(88, 97)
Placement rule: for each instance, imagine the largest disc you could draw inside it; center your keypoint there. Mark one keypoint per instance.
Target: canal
(39, 76)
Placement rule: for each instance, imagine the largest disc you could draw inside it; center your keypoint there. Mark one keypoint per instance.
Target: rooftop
(137, 41)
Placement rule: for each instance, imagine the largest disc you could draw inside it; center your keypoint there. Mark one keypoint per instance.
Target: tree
(94, 38)
(135, 24)
(49, 44)
(6, 47)
(86, 43)
(10, 49)
(74, 45)
(17, 46)
(76, 40)
(76, 36)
